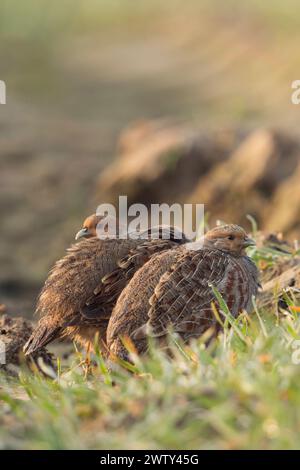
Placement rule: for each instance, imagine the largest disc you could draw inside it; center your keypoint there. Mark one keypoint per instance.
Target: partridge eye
(231, 237)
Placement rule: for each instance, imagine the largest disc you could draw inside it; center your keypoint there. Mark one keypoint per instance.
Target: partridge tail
(41, 336)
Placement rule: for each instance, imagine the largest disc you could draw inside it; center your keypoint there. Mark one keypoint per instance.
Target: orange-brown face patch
(223, 231)
(90, 223)
(231, 238)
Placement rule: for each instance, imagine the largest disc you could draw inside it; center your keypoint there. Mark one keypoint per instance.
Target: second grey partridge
(174, 289)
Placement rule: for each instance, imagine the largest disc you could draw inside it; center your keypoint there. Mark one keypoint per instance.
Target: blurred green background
(78, 71)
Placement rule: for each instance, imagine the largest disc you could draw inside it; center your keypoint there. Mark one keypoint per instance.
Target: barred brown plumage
(173, 289)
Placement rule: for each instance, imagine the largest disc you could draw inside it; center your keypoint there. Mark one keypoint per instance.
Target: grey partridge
(174, 289)
(82, 288)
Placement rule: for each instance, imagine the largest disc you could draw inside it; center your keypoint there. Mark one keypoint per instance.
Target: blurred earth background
(174, 101)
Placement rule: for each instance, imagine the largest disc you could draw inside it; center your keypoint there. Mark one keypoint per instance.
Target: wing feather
(106, 293)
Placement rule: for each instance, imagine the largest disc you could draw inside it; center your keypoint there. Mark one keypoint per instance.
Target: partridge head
(229, 238)
(89, 227)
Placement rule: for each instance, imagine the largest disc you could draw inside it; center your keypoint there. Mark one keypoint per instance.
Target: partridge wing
(104, 297)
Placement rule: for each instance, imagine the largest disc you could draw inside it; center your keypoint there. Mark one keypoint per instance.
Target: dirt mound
(14, 332)
(284, 206)
(232, 172)
(159, 162)
(285, 282)
(249, 178)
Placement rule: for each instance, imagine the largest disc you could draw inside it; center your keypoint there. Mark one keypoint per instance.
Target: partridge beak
(248, 242)
(82, 233)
